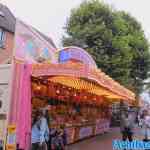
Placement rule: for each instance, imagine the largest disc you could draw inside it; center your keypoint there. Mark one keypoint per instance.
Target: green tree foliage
(115, 39)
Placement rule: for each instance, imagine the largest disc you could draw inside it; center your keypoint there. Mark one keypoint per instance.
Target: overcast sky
(49, 16)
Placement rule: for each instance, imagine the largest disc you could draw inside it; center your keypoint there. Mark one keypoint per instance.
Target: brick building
(7, 28)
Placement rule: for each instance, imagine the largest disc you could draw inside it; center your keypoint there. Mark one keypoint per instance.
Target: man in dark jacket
(126, 126)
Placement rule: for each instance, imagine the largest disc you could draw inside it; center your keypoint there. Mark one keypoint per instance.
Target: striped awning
(81, 84)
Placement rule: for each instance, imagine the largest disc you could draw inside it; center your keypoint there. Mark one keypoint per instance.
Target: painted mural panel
(78, 54)
(31, 46)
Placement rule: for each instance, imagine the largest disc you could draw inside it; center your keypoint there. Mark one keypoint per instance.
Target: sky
(50, 16)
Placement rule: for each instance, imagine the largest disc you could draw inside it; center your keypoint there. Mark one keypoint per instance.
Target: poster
(11, 138)
(85, 132)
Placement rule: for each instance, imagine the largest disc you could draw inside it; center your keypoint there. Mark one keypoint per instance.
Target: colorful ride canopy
(76, 54)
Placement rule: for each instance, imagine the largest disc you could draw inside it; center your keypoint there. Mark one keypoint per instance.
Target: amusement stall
(66, 83)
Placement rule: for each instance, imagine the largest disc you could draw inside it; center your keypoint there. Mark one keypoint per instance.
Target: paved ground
(102, 142)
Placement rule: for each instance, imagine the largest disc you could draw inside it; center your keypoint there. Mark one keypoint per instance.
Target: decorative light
(57, 91)
(75, 94)
(85, 97)
(94, 99)
(38, 87)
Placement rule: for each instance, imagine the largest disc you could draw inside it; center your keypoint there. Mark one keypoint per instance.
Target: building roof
(46, 38)
(8, 21)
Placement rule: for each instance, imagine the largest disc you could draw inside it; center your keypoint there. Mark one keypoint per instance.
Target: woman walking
(35, 134)
(44, 131)
(40, 132)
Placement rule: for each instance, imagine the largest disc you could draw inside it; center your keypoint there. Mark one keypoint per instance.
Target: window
(2, 14)
(2, 36)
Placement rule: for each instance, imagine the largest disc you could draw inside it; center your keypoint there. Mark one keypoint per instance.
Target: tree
(115, 39)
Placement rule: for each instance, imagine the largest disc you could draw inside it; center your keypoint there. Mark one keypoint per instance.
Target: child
(57, 141)
(64, 136)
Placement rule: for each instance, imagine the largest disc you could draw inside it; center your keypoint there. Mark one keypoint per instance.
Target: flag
(32, 46)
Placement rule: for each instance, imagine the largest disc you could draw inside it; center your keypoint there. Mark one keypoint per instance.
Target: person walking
(140, 120)
(35, 134)
(126, 126)
(47, 116)
(146, 125)
(44, 131)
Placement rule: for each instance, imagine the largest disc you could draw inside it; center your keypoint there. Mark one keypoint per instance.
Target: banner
(32, 46)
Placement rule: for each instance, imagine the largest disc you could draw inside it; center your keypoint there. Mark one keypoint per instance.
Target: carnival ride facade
(66, 82)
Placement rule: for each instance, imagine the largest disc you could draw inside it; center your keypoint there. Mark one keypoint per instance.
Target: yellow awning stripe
(81, 84)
